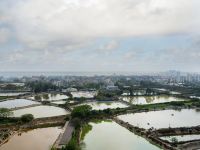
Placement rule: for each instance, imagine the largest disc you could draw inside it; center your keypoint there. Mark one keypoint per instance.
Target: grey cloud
(109, 47)
(40, 23)
(4, 35)
(50, 31)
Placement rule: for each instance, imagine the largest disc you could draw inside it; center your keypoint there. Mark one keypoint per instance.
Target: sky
(100, 35)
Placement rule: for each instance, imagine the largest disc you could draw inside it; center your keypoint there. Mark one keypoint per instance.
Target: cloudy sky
(100, 35)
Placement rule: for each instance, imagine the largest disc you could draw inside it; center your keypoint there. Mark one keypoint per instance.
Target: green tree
(174, 140)
(27, 118)
(149, 91)
(69, 95)
(76, 123)
(37, 97)
(41, 86)
(45, 96)
(81, 111)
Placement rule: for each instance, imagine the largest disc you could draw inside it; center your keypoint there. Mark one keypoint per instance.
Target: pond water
(136, 93)
(49, 97)
(59, 102)
(163, 119)
(197, 97)
(111, 136)
(139, 100)
(105, 105)
(37, 139)
(16, 103)
(182, 137)
(86, 94)
(174, 93)
(11, 94)
(41, 111)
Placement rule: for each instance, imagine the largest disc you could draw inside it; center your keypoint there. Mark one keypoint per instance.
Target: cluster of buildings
(109, 82)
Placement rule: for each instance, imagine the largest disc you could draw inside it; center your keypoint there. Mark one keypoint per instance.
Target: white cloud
(4, 35)
(49, 31)
(15, 57)
(41, 23)
(129, 55)
(109, 47)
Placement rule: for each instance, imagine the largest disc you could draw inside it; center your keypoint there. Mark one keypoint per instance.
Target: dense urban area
(96, 112)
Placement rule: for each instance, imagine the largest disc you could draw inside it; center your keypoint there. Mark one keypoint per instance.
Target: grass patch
(4, 121)
(97, 121)
(5, 97)
(73, 143)
(85, 129)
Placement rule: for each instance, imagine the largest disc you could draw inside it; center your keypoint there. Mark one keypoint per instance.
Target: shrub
(27, 118)
(81, 111)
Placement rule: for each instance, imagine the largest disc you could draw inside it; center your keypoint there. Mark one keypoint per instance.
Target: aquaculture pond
(138, 93)
(37, 139)
(181, 138)
(16, 103)
(59, 102)
(41, 111)
(163, 119)
(49, 97)
(104, 105)
(140, 100)
(11, 94)
(85, 94)
(111, 136)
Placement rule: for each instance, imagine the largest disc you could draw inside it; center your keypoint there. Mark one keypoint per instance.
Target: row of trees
(107, 95)
(6, 113)
(41, 86)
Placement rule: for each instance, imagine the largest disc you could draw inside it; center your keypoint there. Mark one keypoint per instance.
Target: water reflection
(86, 94)
(150, 99)
(105, 105)
(49, 97)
